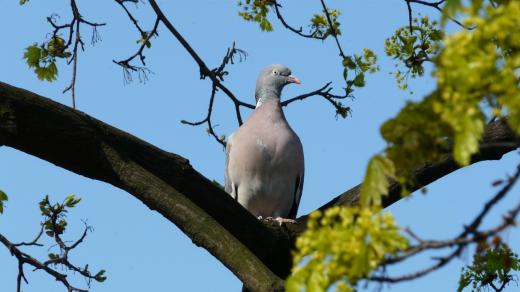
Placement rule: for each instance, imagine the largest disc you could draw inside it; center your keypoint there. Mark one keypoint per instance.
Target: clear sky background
(141, 250)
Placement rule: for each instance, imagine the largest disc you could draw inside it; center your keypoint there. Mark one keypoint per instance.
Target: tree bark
(498, 140)
(165, 182)
(258, 254)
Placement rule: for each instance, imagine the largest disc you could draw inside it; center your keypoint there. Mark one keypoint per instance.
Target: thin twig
(74, 27)
(332, 28)
(323, 90)
(24, 258)
(466, 237)
(437, 6)
(132, 18)
(34, 241)
(126, 63)
(207, 119)
(296, 31)
(204, 70)
(220, 72)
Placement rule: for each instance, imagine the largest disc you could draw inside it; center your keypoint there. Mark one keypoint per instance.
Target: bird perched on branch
(264, 157)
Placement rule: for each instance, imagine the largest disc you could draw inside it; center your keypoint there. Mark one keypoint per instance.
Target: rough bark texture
(165, 182)
(498, 140)
(259, 254)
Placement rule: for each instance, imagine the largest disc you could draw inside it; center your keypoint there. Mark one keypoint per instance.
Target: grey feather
(264, 157)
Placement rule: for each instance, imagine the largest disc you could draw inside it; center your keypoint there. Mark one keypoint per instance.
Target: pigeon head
(272, 80)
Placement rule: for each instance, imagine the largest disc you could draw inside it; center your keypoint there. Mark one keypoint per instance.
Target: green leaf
(342, 245)
(349, 63)
(53, 256)
(375, 184)
(100, 276)
(56, 47)
(3, 197)
(32, 56)
(464, 281)
(466, 139)
(71, 201)
(47, 73)
(359, 80)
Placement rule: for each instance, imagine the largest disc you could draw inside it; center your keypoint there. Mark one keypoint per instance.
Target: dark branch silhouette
(74, 30)
(259, 254)
(54, 226)
(469, 235)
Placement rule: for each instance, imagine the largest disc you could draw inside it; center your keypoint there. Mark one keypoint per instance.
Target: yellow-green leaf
(375, 184)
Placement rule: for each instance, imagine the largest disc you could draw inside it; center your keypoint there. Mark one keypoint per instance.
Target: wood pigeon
(264, 157)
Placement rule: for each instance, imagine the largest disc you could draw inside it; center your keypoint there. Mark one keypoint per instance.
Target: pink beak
(293, 79)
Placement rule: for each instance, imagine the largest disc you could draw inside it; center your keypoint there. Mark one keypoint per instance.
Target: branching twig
(437, 6)
(220, 72)
(332, 29)
(72, 86)
(33, 242)
(24, 258)
(145, 39)
(296, 31)
(207, 119)
(324, 92)
(54, 225)
(204, 70)
(468, 236)
(132, 18)
(74, 26)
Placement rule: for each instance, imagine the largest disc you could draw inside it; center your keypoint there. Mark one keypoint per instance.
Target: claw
(280, 220)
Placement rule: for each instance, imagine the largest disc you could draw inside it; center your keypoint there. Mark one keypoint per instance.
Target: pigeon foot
(279, 220)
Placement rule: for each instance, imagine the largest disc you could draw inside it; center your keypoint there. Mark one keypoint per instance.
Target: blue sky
(141, 250)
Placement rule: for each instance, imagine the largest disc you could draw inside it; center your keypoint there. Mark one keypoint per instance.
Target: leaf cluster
(412, 46)
(491, 268)
(3, 198)
(475, 68)
(256, 11)
(42, 58)
(55, 225)
(55, 214)
(477, 73)
(358, 65)
(320, 27)
(342, 246)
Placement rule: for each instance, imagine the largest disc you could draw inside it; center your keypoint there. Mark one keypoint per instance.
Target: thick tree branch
(168, 184)
(498, 140)
(470, 234)
(163, 181)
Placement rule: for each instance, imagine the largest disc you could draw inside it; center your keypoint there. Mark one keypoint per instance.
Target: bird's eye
(275, 72)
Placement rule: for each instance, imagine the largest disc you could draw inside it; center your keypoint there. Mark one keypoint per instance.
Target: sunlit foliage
(342, 246)
(412, 46)
(477, 72)
(320, 27)
(3, 198)
(256, 11)
(491, 267)
(42, 58)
